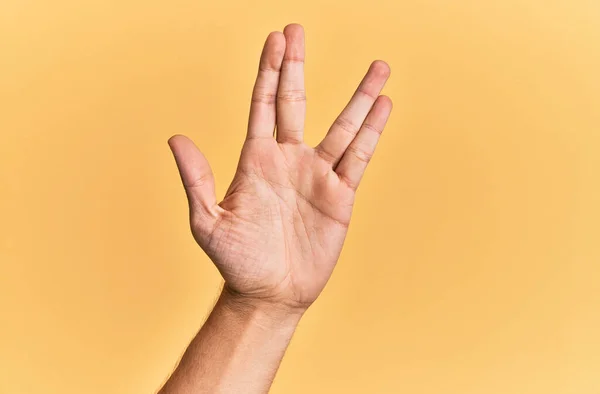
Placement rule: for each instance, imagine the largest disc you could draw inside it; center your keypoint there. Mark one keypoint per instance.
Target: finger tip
(386, 100)
(275, 37)
(273, 51)
(381, 67)
(276, 42)
(176, 140)
(294, 31)
(173, 138)
(293, 27)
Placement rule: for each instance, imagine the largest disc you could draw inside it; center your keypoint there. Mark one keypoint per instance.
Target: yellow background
(472, 263)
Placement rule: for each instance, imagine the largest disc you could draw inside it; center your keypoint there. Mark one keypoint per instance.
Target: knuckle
(198, 182)
(292, 60)
(266, 68)
(292, 96)
(369, 126)
(289, 135)
(365, 92)
(263, 96)
(349, 182)
(360, 153)
(325, 154)
(346, 125)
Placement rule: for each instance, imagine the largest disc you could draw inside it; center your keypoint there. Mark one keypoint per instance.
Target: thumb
(198, 181)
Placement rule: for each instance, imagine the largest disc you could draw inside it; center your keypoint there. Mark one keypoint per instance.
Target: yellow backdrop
(472, 263)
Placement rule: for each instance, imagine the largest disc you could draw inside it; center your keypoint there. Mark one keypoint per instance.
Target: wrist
(265, 312)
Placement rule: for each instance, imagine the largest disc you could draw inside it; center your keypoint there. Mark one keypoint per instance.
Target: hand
(279, 231)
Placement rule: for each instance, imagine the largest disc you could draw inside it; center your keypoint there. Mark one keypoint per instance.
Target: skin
(278, 233)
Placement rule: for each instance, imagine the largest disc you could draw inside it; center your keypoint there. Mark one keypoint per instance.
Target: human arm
(237, 350)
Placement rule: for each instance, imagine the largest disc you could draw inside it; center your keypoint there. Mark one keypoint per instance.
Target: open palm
(279, 230)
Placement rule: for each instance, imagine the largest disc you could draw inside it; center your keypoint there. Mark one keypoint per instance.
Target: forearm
(237, 350)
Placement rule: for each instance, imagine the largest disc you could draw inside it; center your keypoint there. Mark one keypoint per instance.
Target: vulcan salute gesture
(278, 233)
